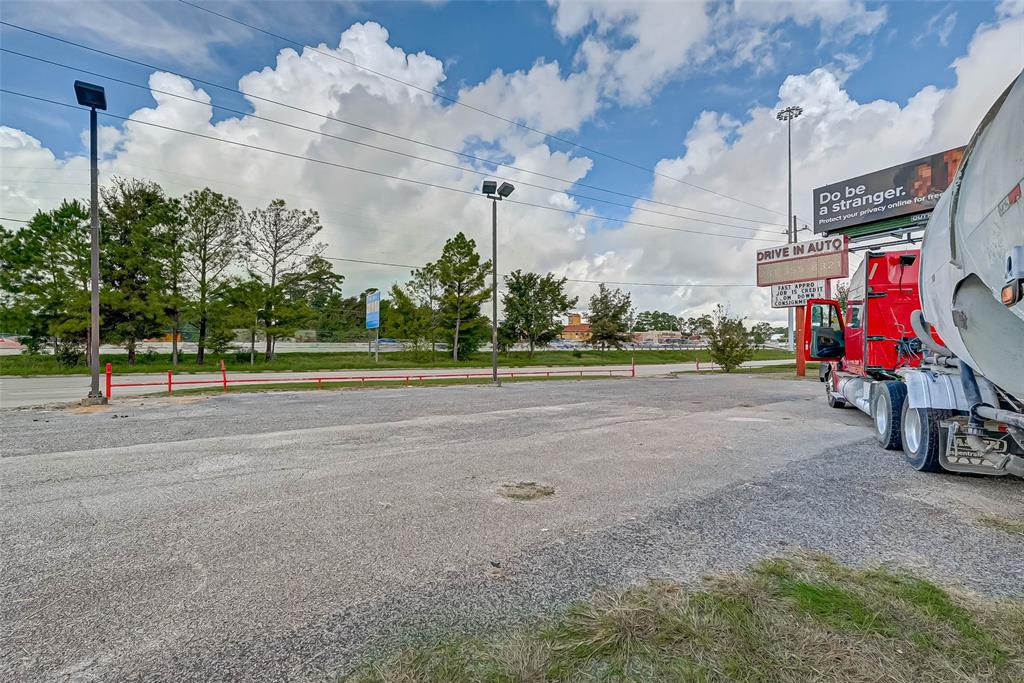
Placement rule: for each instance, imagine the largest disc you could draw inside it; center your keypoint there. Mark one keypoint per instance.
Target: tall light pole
(495, 194)
(787, 115)
(94, 97)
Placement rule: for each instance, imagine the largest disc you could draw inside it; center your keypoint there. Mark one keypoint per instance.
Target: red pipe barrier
(224, 375)
(224, 380)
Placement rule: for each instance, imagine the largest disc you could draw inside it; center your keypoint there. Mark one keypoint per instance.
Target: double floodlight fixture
(789, 113)
(90, 95)
(492, 190)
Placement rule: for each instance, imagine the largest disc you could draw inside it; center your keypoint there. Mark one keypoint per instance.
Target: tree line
(200, 264)
(168, 263)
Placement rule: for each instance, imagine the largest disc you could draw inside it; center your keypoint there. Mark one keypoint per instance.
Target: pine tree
(463, 280)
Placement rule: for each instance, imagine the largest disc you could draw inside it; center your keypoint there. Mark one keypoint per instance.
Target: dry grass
(1010, 526)
(787, 620)
(525, 490)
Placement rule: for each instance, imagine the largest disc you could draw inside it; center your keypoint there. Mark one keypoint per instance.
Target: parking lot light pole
(495, 194)
(94, 97)
(787, 115)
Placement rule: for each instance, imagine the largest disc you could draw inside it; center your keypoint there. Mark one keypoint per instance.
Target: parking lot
(290, 535)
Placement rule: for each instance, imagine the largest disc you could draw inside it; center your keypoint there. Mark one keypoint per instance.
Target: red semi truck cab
(873, 337)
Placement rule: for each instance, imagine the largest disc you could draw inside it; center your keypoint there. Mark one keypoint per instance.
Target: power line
(460, 103)
(371, 146)
(353, 124)
(569, 279)
(379, 174)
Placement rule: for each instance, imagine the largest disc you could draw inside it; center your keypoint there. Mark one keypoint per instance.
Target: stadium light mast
(495, 194)
(94, 97)
(787, 115)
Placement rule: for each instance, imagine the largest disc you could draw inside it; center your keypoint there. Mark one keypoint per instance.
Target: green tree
(463, 280)
(651, 321)
(534, 307)
(425, 288)
(842, 295)
(405, 319)
(44, 280)
(210, 227)
(609, 317)
(728, 340)
(237, 304)
(173, 247)
(696, 325)
(278, 241)
(134, 214)
(760, 333)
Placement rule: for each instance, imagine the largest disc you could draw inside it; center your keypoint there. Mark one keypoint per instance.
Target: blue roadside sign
(373, 310)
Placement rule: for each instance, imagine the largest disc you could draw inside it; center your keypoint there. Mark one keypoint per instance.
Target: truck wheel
(922, 437)
(887, 412)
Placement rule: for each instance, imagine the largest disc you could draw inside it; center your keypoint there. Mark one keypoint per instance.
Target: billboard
(904, 190)
(797, 293)
(819, 259)
(373, 310)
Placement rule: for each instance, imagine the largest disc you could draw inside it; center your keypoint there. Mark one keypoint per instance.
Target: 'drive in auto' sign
(819, 259)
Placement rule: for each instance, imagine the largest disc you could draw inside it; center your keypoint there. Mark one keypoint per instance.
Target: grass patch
(356, 360)
(396, 383)
(803, 618)
(782, 369)
(1010, 526)
(525, 490)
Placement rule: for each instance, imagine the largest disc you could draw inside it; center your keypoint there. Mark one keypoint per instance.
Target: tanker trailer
(939, 364)
(971, 283)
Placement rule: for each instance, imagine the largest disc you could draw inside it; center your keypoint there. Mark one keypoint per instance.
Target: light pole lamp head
(505, 190)
(789, 113)
(89, 95)
(490, 187)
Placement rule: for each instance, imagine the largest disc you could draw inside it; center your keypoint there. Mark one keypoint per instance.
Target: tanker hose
(921, 329)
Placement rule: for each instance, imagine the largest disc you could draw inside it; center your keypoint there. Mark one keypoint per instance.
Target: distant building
(576, 330)
(658, 337)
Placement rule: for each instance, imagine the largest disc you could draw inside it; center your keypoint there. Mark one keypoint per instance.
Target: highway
(19, 392)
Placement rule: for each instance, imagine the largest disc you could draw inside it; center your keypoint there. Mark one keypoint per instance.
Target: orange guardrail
(171, 382)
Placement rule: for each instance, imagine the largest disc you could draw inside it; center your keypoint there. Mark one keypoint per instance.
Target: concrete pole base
(94, 401)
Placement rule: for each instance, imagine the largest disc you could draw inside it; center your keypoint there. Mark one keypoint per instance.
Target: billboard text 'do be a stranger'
(908, 189)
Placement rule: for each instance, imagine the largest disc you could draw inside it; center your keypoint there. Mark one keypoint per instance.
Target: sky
(659, 114)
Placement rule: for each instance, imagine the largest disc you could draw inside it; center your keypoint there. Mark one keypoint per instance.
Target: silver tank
(974, 239)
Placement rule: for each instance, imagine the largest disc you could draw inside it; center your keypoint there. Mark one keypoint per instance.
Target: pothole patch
(525, 490)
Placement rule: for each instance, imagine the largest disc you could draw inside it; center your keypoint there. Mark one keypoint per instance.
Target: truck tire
(887, 413)
(922, 437)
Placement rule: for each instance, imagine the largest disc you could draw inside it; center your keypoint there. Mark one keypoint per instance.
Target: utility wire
(460, 103)
(569, 279)
(372, 146)
(587, 215)
(360, 126)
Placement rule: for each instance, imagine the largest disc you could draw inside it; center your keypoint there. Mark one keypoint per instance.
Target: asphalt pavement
(290, 536)
(45, 390)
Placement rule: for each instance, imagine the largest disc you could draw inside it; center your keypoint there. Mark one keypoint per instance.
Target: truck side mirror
(823, 330)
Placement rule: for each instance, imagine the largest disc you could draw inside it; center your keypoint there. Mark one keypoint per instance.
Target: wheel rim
(881, 415)
(912, 430)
